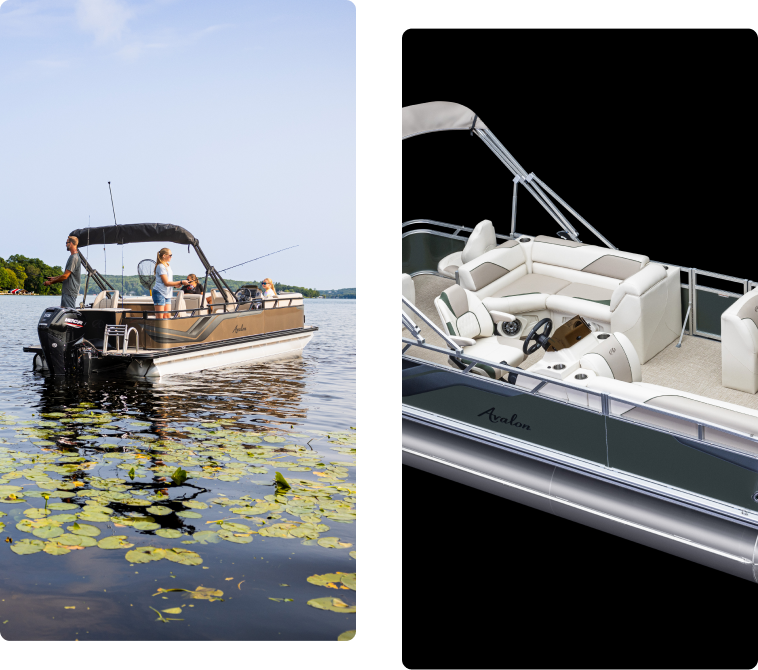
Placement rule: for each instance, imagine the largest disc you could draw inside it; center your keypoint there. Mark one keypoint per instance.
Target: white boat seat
(616, 291)
(105, 299)
(464, 315)
(193, 301)
(739, 344)
(614, 357)
(178, 303)
(481, 240)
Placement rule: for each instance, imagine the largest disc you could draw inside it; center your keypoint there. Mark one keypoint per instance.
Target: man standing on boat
(72, 276)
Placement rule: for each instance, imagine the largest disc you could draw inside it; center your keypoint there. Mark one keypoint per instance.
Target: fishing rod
(259, 257)
(122, 246)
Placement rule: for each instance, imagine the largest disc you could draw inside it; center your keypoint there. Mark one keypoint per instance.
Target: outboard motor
(60, 331)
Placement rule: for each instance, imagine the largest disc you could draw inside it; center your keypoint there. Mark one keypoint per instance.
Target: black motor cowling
(60, 331)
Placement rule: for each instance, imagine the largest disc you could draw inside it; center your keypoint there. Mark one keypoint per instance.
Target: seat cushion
(586, 308)
(532, 283)
(494, 349)
(587, 292)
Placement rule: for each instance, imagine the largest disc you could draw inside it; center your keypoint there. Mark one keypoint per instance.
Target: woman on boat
(164, 283)
(268, 288)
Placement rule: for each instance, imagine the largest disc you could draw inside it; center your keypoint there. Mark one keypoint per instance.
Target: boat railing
(704, 303)
(219, 306)
(468, 363)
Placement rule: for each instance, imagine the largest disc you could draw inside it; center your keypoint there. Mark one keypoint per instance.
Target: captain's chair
(481, 240)
(471, 326)
(105, 300)
(739, 344)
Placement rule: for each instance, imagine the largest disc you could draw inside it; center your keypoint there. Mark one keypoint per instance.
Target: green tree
(8, 280)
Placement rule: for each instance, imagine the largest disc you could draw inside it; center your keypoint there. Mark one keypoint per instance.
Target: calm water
(274, 417)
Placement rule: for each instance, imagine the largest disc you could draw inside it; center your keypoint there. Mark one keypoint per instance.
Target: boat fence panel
(422, 250)
(508, 410)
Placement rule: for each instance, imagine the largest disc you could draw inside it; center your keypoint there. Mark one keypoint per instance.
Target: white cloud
(106, 19)
(2, 1)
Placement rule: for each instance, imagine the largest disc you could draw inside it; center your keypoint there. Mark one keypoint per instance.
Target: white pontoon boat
(209, 330)
(557, 373)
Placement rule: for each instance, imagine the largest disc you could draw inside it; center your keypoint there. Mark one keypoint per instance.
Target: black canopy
(134, 232)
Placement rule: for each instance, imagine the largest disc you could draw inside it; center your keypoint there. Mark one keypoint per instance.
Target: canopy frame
(439, 116)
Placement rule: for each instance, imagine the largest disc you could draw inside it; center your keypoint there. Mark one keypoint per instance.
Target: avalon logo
(239, 329)
(612, 351)
(494, 418)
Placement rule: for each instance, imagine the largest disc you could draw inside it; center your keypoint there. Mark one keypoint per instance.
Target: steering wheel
(541, 339)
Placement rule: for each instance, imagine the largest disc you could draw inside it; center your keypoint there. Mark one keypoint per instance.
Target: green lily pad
(227, 478)
(347, 635)
(348, 579)
(237, 539)
(55, 549)
(93, 516)
(61, 518)
(26, 546)
(168, 533)
(47, 532)
(62, 494)
(145, 525)
(352, 554)
(323, 580)
(114, 542)
(62, 506)
(92, 509)
(332, 605)
(273, 438)
(37, 513)
(84, 529)
(235, 527)
(183, 556)
(195, 504)
(333, 543)
(206, 536)
(76, 540)
(145, 554)
(160, 510)
(189, 515)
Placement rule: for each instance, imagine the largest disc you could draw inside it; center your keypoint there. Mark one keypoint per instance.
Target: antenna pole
(122, 246)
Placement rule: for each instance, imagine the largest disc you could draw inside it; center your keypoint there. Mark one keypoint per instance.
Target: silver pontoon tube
(712, 541)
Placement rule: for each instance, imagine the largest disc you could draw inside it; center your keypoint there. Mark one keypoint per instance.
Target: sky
(235, 120)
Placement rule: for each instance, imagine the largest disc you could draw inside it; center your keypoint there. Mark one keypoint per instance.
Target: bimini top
(431, 117)
(134, 232)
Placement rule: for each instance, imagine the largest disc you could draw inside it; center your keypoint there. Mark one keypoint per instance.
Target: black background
(649, 135)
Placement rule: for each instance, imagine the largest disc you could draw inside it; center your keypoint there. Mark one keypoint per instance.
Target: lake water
(104, 455)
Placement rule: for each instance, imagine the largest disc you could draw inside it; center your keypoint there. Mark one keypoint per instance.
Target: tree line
(28, 274)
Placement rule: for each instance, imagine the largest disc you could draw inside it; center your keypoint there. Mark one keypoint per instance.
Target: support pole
(513, 206)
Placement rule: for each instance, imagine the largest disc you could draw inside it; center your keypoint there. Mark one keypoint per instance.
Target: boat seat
(193, 302)
(614, 290)
(614, 357)
(732, 417)
(178, 303)
(739, 344)
(464, 316)
(481, 240)
(218, 300)
(105, 300)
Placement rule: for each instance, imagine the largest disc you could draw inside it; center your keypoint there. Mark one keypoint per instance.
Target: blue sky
(233, 119)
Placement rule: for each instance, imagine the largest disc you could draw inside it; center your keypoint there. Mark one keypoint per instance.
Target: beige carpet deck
(695, 368)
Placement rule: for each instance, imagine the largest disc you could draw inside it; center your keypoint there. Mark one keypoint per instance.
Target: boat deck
(693, 368)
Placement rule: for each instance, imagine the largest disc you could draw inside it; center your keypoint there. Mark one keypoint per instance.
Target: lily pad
(145, 525)
(94, 516)
(62, 506)
(347, 635)
(37, 513)
(47, 532)
(145, 554)
(323, 580)
(159, 510)
(84, 529)
(236, 538)
(235, 527)
(332, 605)
(55, 549)
(273, 438)
(195, 504)
(173, 610)
(189, 515)
(71, 540)
(183, 556)
(26, 546)
(206, 536)
(352, 554)
(114, 542)
(168, 533)
(333, 543)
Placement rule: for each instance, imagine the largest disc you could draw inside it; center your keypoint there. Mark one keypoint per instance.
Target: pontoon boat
(122, 333)
(585, 381)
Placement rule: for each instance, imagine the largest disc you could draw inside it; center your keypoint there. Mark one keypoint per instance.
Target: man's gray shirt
(74, 265)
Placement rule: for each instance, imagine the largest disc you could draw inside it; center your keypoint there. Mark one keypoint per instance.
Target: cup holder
(560, 366)
(580, 376)
(524, 239)
(603, 336)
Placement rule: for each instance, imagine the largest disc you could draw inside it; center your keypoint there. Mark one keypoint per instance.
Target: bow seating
(471, 326)
(481, 240)
(614, 290)
(739, 344)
